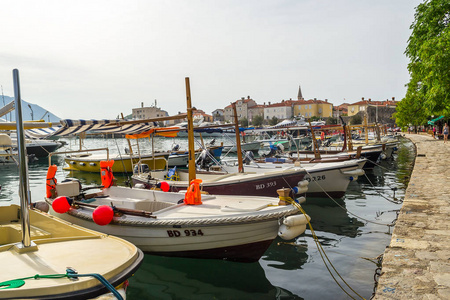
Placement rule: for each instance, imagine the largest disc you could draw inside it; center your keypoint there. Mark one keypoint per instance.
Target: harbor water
(353, 232)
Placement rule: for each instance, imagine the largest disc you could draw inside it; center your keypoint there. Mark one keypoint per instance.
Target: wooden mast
(238, 139)
(190, 127)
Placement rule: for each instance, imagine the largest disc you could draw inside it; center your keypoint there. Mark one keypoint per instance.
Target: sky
(97, 59)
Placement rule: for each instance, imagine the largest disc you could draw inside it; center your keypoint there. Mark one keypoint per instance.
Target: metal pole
(24, 194)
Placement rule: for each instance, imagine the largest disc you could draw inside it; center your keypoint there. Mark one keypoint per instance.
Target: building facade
(313, 108)
(151, 112)
(281, 111)
(242, 107)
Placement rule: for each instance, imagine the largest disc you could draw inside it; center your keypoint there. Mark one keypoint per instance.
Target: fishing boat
(44, 257)
(237, 228)
(254, 146)
(326, 179)
(90, 162)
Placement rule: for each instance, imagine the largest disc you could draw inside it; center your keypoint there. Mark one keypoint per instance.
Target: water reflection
(333, 219)
(178, 278)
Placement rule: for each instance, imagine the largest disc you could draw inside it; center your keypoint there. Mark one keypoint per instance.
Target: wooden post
(349, 136)
(315, 146)
(366, 129)
(191, 155)
(238, 139)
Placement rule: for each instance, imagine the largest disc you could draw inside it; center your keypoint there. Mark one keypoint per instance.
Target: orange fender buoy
(107, 173)
(193, 196)
(51, 181)
(322, 136)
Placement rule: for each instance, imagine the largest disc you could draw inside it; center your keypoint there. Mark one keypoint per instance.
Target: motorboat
(253, 183)
(236, 228)
(261, 178)
(38, 147)
(56, 264)
(254, 146)
(90, 162)
(326, 179)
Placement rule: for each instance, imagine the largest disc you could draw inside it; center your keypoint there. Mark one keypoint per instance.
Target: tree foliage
(356, 119)
(273, 121)
(258, 120)
(428, 49)
(331, 121)
(243, 122)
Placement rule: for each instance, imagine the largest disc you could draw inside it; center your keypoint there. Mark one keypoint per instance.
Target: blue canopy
(431, 122)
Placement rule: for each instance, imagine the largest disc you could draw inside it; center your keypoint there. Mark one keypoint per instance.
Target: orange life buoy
(107, 173)
(51, 180)
(193, 195)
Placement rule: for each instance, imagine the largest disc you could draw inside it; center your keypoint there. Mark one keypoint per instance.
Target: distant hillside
(37, 112)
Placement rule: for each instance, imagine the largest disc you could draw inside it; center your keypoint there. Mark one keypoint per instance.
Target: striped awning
(74, 127)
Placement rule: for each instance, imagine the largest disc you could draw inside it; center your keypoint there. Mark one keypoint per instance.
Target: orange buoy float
(106, 173)
(193, 196)
(322, 135)
(51, 181)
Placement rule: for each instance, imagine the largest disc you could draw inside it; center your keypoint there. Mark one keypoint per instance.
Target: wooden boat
(254, 146)
(113, 258)
(89, 162)
(237, 228)
(222, 183)
(44, 257)
(326, 179)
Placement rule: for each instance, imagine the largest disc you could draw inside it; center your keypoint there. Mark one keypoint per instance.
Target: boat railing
(77, 151)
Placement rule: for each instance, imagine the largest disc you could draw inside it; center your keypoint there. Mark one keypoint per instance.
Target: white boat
(237, 228)
(250, 146)
(44, 257)
(324, 178)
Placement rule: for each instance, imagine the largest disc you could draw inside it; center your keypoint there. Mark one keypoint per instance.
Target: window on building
(310, 106)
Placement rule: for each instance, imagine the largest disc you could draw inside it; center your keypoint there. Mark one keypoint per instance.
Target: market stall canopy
(431, 122)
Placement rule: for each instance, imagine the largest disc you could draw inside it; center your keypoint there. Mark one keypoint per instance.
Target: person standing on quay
(445, 132)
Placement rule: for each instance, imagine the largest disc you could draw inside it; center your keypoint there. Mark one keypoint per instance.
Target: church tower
(299, 96)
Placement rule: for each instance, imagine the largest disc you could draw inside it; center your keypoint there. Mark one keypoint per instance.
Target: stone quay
(416, 264)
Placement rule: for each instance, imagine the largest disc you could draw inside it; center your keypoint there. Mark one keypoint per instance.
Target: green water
(288, 270)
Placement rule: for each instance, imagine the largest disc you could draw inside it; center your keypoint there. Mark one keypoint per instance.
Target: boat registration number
(266, 185)
(316, 178)
(187, 232)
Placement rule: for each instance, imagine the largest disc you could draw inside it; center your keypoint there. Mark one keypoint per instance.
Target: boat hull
(241, 243)
(121, 164)
(240, 184)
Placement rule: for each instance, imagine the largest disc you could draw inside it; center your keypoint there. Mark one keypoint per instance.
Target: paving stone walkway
(416, 264)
